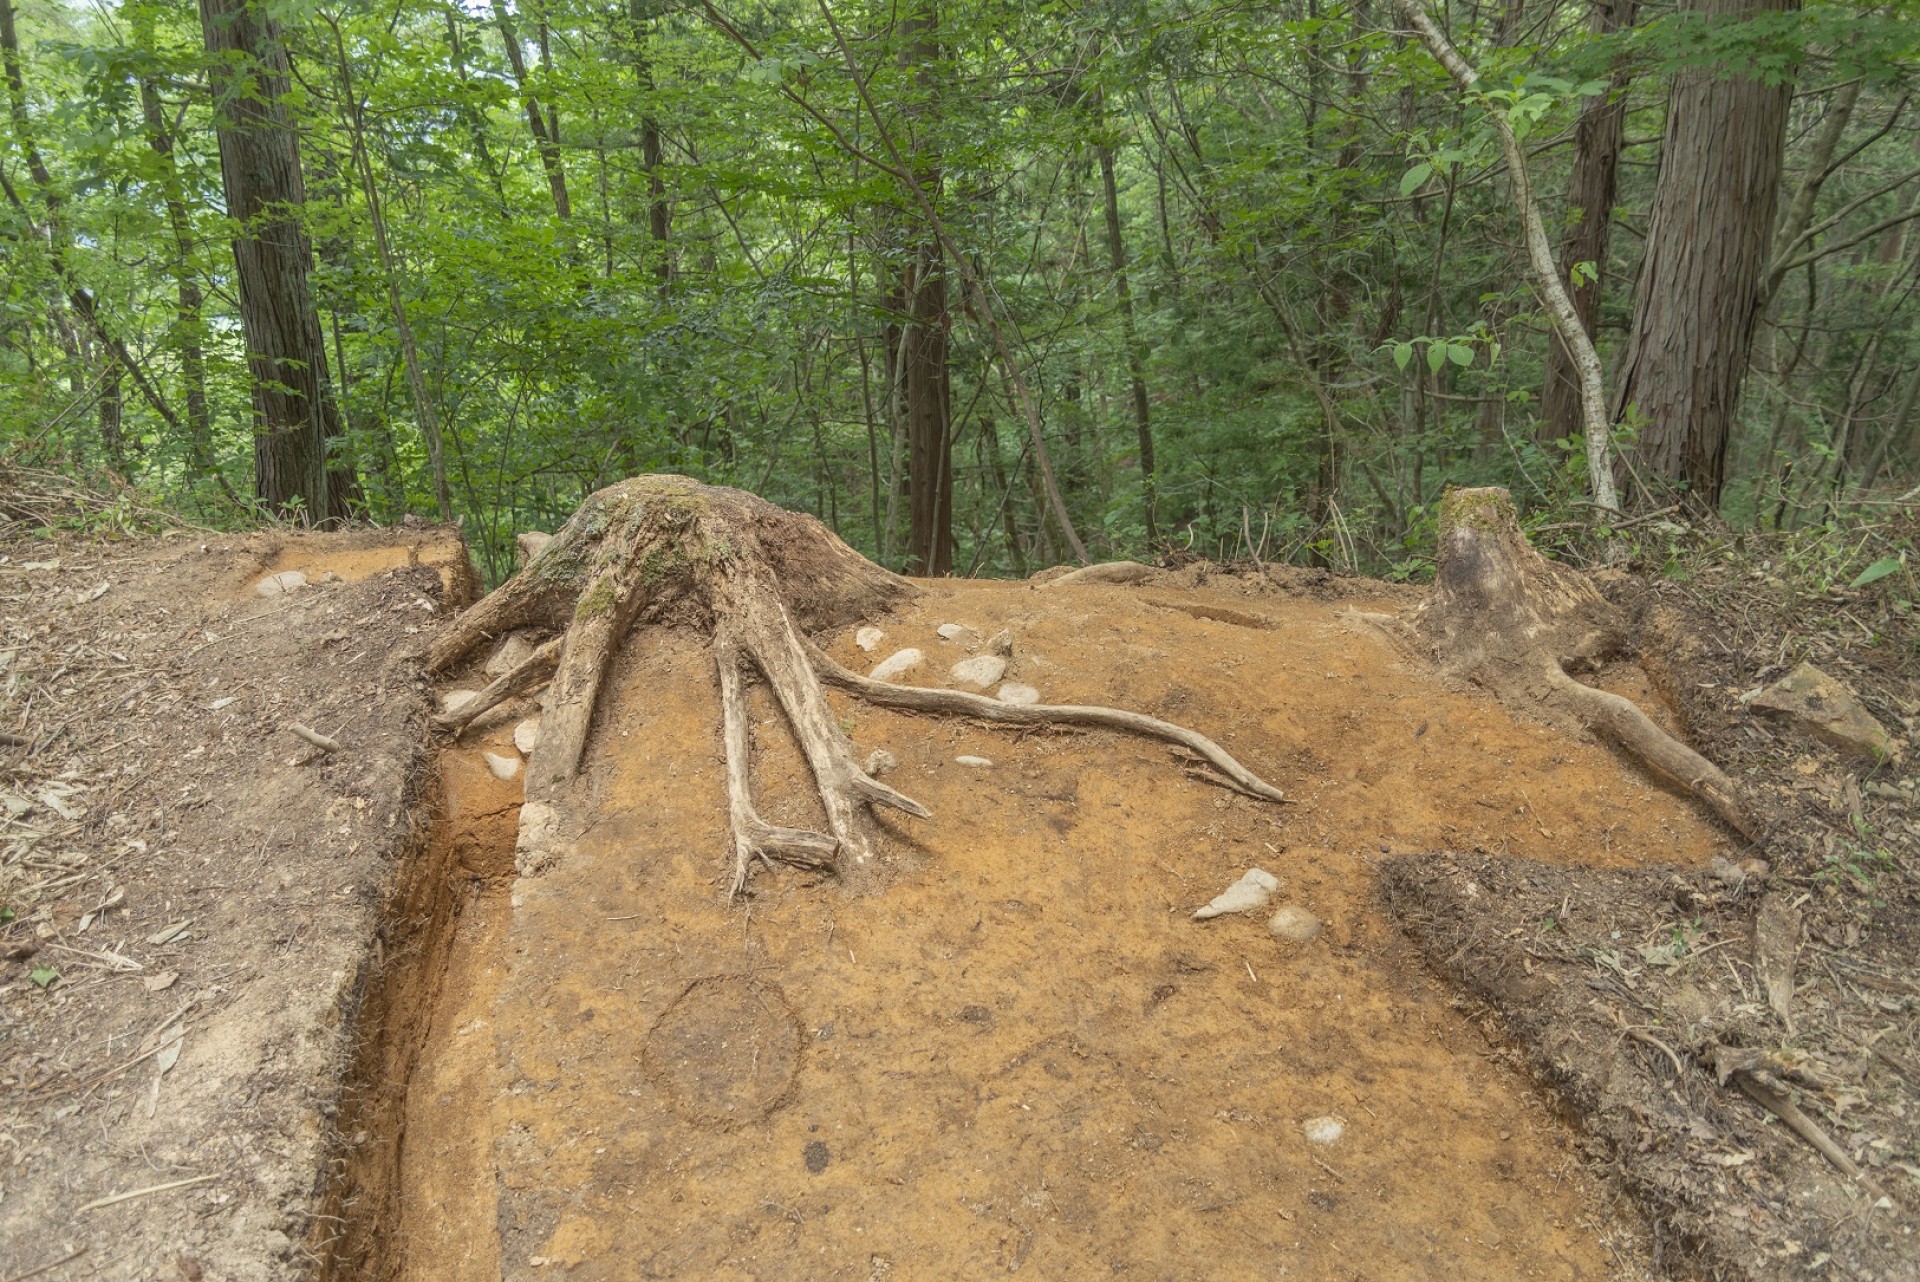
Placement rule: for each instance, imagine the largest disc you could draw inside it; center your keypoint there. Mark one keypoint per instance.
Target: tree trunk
(1136, 365)
(639, 19)
(546, 138)
(189, 329)
(296, 421)
(923, 287)
(1708, 249)
(1597, 141)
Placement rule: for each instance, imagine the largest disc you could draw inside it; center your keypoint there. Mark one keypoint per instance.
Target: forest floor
(403, 1062)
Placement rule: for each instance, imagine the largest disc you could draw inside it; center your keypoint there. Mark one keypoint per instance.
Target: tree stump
(668, 551)
(1506, 618)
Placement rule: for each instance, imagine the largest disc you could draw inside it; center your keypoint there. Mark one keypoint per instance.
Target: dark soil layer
(1622, 989)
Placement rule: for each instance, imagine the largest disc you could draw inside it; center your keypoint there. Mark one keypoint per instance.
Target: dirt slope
(1023, 1054)
(194, 892)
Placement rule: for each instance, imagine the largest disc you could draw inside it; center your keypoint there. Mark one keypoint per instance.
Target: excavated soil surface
(1023, 1054)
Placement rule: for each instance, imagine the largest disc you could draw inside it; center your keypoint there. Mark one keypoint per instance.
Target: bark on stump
(669, 551)
(1506, 618)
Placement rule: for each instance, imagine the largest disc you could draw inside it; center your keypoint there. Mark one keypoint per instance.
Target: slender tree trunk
(639, 19)
(1597, 142)
(546, 139)
(1129, 331)
(416, 377)
(189, 327)
(296, 421)
(925, 378)
(1708, 250)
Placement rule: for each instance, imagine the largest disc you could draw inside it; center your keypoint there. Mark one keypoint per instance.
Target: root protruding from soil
(1506, 618)
(667, 550)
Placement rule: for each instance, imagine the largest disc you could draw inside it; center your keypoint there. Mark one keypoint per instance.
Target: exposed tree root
(668, 550)
(962, 703)
(1507, 618)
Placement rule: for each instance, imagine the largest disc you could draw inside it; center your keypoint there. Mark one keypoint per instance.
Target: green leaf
(1402, 353)
(43, 975)
(1878, 570)
(1436, 356)
(1493, 353)
(1459, 353)
(1414, 177)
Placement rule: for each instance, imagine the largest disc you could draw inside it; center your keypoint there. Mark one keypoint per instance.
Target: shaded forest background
(984, 285)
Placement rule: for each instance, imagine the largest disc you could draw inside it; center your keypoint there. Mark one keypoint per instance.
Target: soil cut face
(1022, 1053)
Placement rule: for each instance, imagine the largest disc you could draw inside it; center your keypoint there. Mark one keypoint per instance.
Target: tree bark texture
(1597, 140)
(296, 421)
(1708, 250)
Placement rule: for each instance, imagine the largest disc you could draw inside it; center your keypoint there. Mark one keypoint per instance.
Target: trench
(434, 965)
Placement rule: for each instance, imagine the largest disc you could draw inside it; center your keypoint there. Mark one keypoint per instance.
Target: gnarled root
(752, 576)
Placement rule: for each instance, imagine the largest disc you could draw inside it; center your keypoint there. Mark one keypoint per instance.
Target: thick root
(1622, 721)
(753, 837)
(529, 675)
(962, 703)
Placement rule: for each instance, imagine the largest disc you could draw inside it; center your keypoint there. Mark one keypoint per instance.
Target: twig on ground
(313, 737)
(130, 1195)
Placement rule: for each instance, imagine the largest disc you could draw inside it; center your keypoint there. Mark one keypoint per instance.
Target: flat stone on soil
(1819, 705)
(868, 637)
(1014, 692)
(502, 767)
(280, 584)
(1250, 892)
(981, 671)
(896, 663)
(1294, 925)
(879, 761)
(955, 632)
(526, 735)
(1323, 1130)
(977, 763)
(454, 700)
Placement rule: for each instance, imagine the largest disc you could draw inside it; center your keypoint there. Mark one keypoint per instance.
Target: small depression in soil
(1023, 1054)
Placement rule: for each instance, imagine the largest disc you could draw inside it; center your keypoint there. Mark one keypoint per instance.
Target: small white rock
(1295, 925)
(868, 637)
(879, 761)
(896, 663)
(952, 631)
(1250, 892)
(977, 763)
(280, 584)
(510, 654)
(981, 671)
(1323, 1130)
(502, 767)
(527, 734)
(1014, 692)
(225, 702)
(454, 700)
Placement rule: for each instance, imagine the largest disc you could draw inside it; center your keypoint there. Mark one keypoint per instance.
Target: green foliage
(1299, 191)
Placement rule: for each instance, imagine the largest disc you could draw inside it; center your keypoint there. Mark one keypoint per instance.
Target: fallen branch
(1800, 1124)
(313, 737)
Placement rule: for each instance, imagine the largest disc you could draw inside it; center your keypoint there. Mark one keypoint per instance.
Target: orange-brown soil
(1022, 1054)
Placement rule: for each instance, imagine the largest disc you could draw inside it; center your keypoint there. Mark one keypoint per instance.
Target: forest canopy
(985, 286)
